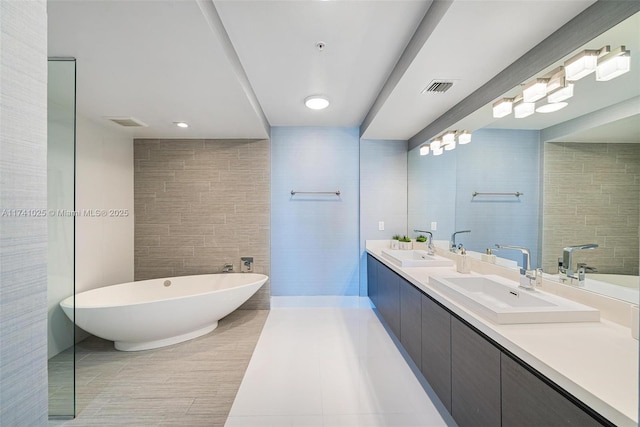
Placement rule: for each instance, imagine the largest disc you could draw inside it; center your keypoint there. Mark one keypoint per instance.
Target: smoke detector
(127, 121)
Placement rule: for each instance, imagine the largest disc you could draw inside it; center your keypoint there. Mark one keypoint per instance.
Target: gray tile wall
(592, 195)
(23, 239)
(200, 204)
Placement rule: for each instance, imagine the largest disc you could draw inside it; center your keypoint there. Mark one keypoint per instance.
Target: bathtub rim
(65, 302)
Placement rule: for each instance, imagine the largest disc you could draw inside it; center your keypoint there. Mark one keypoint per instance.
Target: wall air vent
(127, 121)
(438, 86)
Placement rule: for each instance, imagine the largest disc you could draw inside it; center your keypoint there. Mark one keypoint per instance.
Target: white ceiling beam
(426, 27)
(212, 17)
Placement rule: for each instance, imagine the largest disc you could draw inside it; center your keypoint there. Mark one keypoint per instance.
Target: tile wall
(315, 245)
(200, 204)
(23, 231)
(592, 195)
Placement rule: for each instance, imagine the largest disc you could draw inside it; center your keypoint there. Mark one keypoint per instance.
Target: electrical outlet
(380, 225)
(434, 226)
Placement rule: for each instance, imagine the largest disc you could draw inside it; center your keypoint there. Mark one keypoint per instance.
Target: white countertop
(597, 362)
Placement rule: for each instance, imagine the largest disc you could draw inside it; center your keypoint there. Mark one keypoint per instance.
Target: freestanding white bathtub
(159, 312)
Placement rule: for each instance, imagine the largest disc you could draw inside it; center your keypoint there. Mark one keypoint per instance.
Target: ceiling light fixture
(524, 109)
(557, 85)
(181, 124)
(316, 102)
(561, 94)
(612, 64)
(445, 142)
(464, 137)
(535, 90)
(450, 146)
(436, 147)
(550, 108)
(502, 107)
(581, 65)
(449, 137)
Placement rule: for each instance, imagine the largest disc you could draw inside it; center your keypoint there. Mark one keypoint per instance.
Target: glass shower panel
(61, 248)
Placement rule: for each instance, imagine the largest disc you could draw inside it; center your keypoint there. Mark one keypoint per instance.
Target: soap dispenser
(488, 257)
(463, 261)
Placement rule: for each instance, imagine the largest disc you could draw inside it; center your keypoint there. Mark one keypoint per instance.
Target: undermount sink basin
(415, 258)
(502, 301)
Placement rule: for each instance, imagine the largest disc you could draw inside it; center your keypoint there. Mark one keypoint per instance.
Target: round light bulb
(316, 102)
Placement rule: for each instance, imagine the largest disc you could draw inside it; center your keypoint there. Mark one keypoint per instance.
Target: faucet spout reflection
(453, 246)
(566, 272)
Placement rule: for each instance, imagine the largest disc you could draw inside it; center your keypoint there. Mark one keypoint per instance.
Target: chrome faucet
(528, 277)
(429, 240)
(228, 268)
(566, 272)
(452, 246)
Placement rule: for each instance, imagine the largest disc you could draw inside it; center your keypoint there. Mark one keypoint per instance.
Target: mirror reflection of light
(610, 67)
(524, 109)
(550, 108)
(561, 94)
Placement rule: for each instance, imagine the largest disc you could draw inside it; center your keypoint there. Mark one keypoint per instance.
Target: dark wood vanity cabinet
(475, 378)
(436, 349)
(411, 321)
(388, 297)
(527, 401)
(372, 279)
(478, 382)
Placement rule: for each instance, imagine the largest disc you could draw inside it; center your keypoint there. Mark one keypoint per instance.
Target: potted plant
(395, 242)
(405, 243)
(421, 242)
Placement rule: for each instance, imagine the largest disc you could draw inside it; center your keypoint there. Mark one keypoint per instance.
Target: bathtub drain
(167, 282)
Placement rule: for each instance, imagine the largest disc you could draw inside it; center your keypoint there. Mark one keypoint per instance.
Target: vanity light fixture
(316, 102)
(445, 142)
(561, 94)
(181, 124)
(535, 90)
(581, 65)
(464, 137)
(450, 145)
(502, 107)
(448, 137)
(550, 108)
(524, 109)
(436, 147)
(612, 64)
(557, 79)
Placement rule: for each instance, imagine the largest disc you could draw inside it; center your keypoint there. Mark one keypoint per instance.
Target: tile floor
(319, 361)
(330, 362)
(187, 384)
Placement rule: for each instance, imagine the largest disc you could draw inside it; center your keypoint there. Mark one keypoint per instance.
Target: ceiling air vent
(438, 86)
(127, 121)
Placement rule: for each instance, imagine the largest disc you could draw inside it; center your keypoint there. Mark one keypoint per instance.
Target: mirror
(577, 171)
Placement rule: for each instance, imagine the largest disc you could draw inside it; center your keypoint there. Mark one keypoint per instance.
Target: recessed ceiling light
(316, 102)
(181, 124)
(550, 108)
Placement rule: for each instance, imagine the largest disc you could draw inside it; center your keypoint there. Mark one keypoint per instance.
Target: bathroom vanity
(571, 373)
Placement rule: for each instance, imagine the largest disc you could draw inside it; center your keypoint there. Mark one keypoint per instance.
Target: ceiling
(225, 66)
